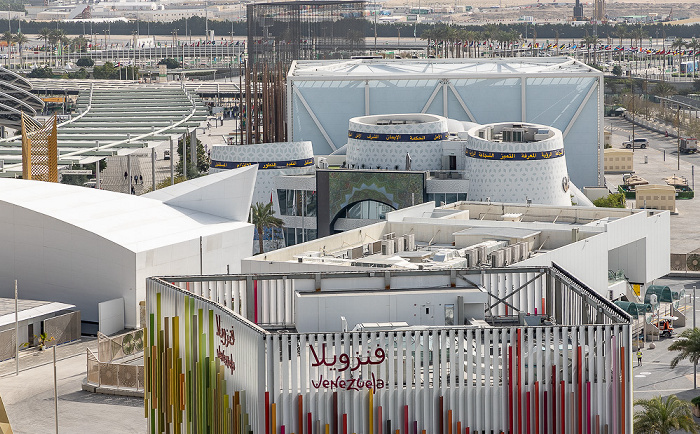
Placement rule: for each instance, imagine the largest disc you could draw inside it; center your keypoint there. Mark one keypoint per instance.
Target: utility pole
(695, 365)
(16, 333)
(678, 119)
(55, 388)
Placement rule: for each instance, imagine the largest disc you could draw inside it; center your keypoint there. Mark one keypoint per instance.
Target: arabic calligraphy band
(429, 137)
(263, 165)
(515, 156)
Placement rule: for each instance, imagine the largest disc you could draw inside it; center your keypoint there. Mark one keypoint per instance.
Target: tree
(663, 416)
(264, 217)
(615, 200)
(689, 346)
(41, 73)
(202, 159)
(79, 44)
(9, 39)
(617, 70)
(677, 46)
(105, 72)
(169, 62)
(20, 39)
(85, 61)
(664, 89)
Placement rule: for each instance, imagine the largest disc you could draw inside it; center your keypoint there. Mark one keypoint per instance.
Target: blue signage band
(430, 137)
(515, 156)
(264, 165)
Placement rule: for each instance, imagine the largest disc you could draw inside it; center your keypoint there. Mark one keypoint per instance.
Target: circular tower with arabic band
(516, 163)
(384, 141)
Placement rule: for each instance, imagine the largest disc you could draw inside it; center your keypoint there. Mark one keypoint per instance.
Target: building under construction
(283, 32)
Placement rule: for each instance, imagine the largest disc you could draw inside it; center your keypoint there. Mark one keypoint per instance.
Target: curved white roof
(185, 211)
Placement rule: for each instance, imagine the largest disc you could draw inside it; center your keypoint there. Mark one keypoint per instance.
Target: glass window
(449, 314)
(311, 234)
(461, 196)
(450, 197)
(289, 236)
(298, 201)
(355, 211)
(291, 208)
(310, 204)
(282, 198)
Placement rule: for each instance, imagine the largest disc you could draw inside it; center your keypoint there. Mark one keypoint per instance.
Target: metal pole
(55, 388)
(695, 365)
(153, 169)
(172, 167)
(184, 156)
(201, 262)
(16, 333)
(128, 172)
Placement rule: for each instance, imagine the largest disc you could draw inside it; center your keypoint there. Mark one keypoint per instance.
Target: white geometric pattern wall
(265, 182)
(544, 181)
(384, 154)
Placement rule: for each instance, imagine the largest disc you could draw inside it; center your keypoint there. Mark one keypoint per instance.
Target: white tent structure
(84, 246)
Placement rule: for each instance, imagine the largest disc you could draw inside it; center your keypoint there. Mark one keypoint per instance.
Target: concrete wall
(319, 312)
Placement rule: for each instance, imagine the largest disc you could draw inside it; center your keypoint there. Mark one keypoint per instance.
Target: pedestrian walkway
(28, 397)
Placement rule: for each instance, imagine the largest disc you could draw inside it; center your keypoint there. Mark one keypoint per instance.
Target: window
(368, 209)
(449, 314)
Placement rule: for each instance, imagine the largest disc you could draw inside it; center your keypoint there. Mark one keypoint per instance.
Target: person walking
(639, 357)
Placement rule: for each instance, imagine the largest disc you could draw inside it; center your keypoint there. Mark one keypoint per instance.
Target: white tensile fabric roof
(140, 223)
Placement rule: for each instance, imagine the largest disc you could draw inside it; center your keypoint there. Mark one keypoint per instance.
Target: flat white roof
(136, 223)
(414, 68)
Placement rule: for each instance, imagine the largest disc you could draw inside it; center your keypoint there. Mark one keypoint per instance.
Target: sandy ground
(553, 11)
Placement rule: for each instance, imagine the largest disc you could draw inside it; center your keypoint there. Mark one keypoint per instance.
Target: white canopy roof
(140, 223)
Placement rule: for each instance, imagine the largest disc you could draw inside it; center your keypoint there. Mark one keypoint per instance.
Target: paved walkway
(29, 402)
(657, 162)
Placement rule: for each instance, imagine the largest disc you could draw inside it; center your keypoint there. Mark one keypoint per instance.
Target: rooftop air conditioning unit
(400, 244)
(507, 259)
(410, 242)
(498, 258)
(322, 163)
(472, 256)
(387, 247)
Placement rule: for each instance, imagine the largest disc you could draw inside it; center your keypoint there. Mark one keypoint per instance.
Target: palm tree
(678, 45)
(20, 39)
(263, 216)
(662, 416)
(689, 346)
(44, 34)
(694, 45)
(588, 41)
(8, 37)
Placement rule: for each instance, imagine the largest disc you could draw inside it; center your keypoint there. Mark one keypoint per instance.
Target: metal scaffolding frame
(284, 32)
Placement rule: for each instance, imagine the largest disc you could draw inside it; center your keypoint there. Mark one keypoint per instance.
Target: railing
(481, 377)
(114, 375)
(115, 347)
(616, 276)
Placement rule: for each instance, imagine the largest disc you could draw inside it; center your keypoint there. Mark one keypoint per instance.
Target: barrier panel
(209, 369)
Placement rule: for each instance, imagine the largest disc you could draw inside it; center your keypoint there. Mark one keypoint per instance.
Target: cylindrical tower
(382, 141)
(517, 162)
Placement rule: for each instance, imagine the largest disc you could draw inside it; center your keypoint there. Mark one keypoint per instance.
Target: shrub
(85, 61)
(615, 200)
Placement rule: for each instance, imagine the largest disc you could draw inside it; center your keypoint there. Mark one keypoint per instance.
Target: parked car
(166, 155)
(636, 143)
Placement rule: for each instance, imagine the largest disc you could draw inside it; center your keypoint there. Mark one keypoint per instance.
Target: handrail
(128, 140)
(87, 109)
